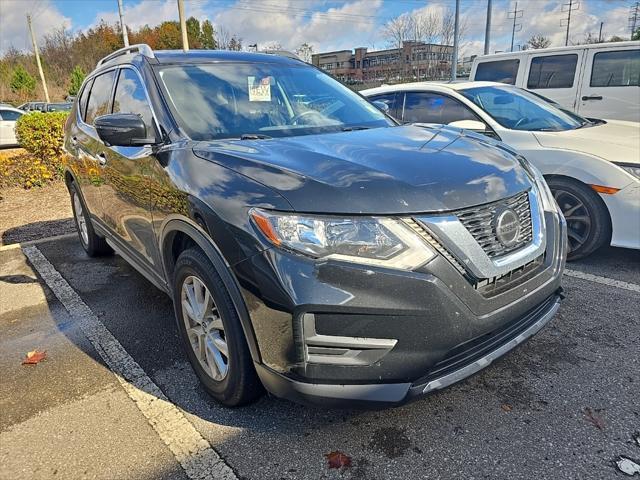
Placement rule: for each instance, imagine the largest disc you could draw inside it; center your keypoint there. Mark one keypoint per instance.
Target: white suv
(597, 81)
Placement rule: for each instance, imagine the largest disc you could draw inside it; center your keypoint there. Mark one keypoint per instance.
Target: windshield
(518, 109)
(261, 100)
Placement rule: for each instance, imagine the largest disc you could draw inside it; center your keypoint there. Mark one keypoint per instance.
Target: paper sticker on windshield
(259, 89)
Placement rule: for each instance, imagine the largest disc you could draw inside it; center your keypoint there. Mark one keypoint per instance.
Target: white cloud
(14, 31)
(289, 24)
(150, 12)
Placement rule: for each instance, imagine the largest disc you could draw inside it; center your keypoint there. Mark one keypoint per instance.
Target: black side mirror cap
(122, 130)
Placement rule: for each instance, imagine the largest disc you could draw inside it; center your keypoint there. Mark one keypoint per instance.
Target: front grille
(479, 222)
(490, 287)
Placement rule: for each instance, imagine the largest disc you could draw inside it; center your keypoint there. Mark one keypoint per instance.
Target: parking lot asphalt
(565, 405)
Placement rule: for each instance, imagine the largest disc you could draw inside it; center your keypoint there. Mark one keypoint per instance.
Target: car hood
(616, 141)
(394, 170)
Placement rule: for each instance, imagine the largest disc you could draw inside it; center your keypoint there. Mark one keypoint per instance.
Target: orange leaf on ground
(594, 418)
(34, 357)
(506, 407)
(338, 459)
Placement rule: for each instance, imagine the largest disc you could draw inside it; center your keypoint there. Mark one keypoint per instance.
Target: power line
(568, 7)
(516, 26)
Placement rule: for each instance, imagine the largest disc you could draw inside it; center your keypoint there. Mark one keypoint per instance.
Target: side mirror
(122, 130)
(380, 105)
(473, 125)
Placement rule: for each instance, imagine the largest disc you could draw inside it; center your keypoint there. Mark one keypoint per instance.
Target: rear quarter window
(503, 71)
(619, 68)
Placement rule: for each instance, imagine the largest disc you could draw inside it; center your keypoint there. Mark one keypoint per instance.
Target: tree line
(67, 58)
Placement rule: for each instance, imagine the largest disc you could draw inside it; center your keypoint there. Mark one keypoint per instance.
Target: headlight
(629, 168)
(548, 202)
(369, 240)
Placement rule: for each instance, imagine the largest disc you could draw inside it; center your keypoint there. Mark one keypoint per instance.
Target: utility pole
(456, 34)
(35, 49)
(600, 34)
(570, 7)
(516, 26)
(487, 30)
(183, 26)
(125, 35)
(634, 15)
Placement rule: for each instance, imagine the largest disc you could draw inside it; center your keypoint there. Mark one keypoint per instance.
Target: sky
(325, 24)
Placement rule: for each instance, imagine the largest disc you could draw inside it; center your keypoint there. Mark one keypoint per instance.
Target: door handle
(591, 97)
(102, 158)
(74, 141)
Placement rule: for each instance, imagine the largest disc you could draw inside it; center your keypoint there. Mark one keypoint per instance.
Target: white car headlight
(630, 168)
(379, 241)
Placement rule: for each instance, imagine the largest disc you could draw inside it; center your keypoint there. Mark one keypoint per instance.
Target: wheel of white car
(588, 221)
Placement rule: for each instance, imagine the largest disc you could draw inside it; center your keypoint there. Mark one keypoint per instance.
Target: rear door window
(503, 71)
(616, 69)
(552, 71)
(427, 107)
(100, 96)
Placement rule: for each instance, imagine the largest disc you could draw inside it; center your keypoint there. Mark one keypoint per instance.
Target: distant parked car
(8, 118)
(600, 80)
(58, 107)
(33, 106)
(592, 166)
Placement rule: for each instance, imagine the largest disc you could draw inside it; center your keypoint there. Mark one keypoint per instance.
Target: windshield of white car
(262, 100)
(517, 109)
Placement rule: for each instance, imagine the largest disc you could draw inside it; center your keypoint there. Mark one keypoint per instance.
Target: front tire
(211, 331)
(588, 221)
(92, 243)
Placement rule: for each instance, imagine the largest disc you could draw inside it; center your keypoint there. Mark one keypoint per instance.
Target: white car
(592, 166)
(8, 118)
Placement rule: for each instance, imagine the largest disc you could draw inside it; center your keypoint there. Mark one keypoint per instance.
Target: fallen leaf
(594, 418)
(34, 357)
(506, 407)
(338, 459)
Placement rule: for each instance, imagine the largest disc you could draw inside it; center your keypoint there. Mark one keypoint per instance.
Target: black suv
(312, 246)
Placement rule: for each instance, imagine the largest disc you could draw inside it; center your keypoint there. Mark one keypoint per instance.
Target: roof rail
(142, 48)
(282, 53)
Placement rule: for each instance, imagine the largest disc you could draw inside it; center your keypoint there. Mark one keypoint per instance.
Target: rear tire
(211, 331)
(92, 243)
(588, 221)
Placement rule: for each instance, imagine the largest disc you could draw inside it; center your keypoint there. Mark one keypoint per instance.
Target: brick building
(416, 60)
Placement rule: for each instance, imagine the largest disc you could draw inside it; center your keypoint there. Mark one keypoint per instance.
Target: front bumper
(624, 209)
(441, 328)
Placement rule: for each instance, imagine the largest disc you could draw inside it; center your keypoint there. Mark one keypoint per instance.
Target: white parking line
(191, 450)
(603, 280)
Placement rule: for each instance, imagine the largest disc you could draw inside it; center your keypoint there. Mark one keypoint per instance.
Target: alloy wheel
(81, 221)
(577, 216)
(205, 329)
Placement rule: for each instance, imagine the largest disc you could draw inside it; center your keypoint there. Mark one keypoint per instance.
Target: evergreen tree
(77, 77)
(22, 83)
(208, 36)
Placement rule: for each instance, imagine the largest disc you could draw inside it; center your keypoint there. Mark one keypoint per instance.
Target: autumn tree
(169, 36)
(76, 79)
(22, 83)
(538, 41)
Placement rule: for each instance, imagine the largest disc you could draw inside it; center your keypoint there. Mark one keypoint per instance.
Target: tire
(238, 384)
(588, 221)
(92, 243)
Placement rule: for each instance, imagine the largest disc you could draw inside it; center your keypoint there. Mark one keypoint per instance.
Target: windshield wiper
(356, 127)
(254, 136)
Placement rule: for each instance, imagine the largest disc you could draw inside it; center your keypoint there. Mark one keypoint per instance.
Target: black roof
(179, 56)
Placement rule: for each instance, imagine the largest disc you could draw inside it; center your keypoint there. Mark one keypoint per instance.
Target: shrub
(42, 136)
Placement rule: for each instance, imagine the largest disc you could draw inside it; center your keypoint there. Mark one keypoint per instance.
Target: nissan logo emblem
(507, 225)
